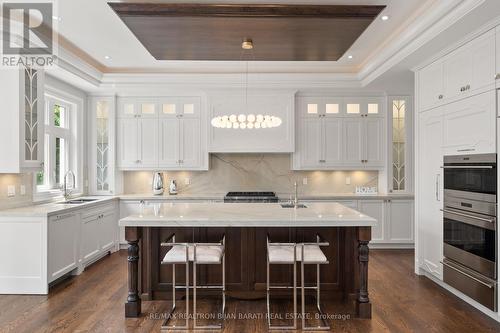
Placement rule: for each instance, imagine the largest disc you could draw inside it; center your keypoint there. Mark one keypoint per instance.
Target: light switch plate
(304, 181)
(22, 190)
(187, 181)
(11, 191)
(348, 180)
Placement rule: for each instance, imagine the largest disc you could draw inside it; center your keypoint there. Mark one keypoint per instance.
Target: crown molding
(442, 15)
(434, 17)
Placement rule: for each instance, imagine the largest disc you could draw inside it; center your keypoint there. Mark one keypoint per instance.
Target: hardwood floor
(94, 302)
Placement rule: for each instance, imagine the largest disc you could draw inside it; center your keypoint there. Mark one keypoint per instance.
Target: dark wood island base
(344, 278)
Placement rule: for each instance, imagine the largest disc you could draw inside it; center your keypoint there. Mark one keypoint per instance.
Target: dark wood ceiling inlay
(215, 32)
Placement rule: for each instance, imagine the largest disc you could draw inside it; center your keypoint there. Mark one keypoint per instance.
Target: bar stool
(290, 254)
(197, 253)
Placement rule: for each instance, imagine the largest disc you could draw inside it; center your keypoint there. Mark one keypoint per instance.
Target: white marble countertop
(282, 196)
(46, 209)
(324, 214)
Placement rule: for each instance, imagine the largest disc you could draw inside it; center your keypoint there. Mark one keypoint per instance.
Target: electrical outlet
(11, 191)
(187, 181)
(304, 181)
(22, 190)
(348, 180)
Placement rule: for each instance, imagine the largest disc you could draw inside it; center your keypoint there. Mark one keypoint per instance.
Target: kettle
(173, 187)
(157, 184)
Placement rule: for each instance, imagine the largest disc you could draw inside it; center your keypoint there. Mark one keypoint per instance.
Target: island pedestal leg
(363, 305)
(133, 304)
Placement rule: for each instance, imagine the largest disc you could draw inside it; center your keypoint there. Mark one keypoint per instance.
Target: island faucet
(67, 192)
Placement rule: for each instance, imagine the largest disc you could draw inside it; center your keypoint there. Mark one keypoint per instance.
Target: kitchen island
(246, 227)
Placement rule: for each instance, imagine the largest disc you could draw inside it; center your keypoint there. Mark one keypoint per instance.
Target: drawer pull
(468, 216)
(489, 285)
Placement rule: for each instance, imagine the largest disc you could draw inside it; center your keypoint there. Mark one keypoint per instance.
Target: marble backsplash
(252, 172)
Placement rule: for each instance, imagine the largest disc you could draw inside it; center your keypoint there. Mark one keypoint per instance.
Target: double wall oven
(470, 226)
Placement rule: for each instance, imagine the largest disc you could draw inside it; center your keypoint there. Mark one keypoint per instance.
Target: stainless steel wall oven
(470, 226)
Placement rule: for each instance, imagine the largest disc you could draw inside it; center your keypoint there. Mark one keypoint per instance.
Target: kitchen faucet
(295, 199)
(67, 192)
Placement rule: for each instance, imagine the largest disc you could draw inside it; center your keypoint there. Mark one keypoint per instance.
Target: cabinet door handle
(322, 161)
(466, 149)
(497, 76)
(440, 97)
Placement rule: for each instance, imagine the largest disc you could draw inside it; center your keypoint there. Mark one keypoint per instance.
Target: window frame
(71, 131)
(408, 122)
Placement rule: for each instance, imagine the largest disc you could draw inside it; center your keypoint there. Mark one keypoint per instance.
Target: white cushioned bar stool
(196, 253)
(291, 254)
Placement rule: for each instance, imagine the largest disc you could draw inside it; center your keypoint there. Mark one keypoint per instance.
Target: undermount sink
(291, 205)
(77, 201)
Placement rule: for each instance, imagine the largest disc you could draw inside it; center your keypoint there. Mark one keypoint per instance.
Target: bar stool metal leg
(165, 325)
(294, 288)
(325, 326)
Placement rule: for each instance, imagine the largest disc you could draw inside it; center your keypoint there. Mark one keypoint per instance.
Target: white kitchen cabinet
(102, 145)
(471, 67)
(431, 85)
(22, 126)
(163, 132)
(375, 209)
(169, 143)
(332, 141)
(128, 143)
(354, 140)
(430, 191)
(311, 141)
(469, 125)
(148, 143)
(138, 142)
(190, 143)
(62, 240)
(466, 71)
(340, 133)
(181, 147)
(399, 221)
(99, 232)
(90, 246)
(373, 142)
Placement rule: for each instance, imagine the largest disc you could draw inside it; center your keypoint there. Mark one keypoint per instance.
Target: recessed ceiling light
(385, 17)
(107, 57)
(349, 56)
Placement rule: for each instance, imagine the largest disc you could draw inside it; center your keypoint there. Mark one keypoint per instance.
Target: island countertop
(324, 214)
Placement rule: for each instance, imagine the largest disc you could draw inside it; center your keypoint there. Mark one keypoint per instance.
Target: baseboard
(463, 297)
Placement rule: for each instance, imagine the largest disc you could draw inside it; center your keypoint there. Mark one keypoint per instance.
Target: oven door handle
(467, 167)
(468, 216)
(489, 285)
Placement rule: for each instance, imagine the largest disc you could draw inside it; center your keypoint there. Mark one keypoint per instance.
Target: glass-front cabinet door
(101, 164)
(32, 118)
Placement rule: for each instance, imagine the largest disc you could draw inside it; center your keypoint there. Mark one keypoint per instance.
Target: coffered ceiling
(93, 31)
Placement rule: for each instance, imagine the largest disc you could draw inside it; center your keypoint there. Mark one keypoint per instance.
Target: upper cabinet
(161, 133)
(23, 104)
(102, 145)
(464, 72)
(340, 133)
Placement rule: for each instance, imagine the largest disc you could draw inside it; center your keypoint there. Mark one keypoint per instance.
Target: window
(59, 146)
(400, 150)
